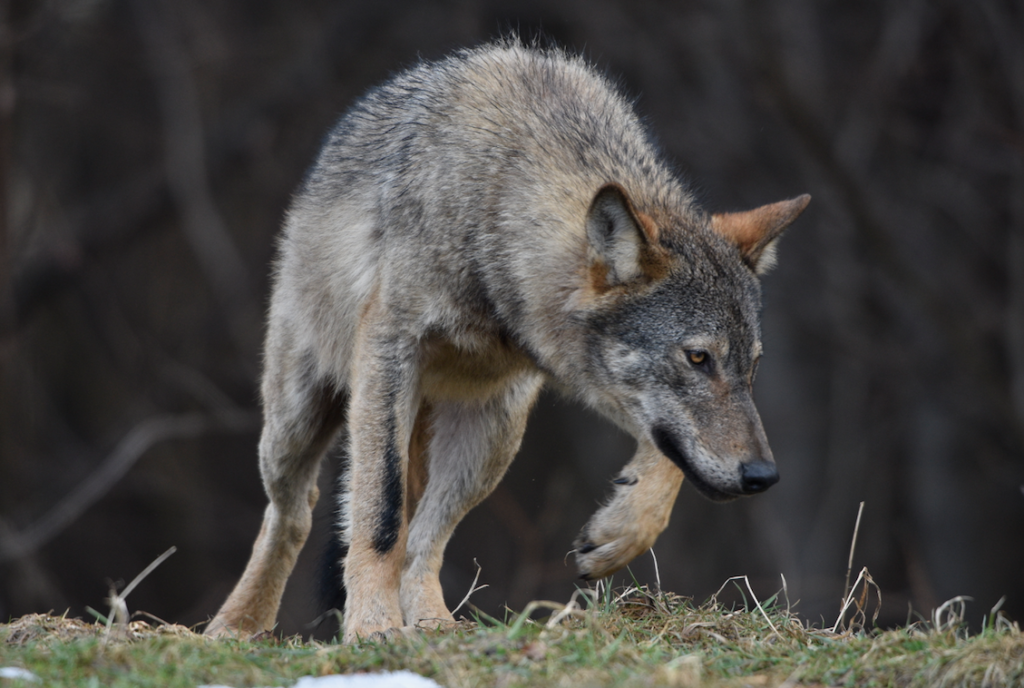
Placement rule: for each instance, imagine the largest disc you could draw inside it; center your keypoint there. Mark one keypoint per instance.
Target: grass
(628, 638)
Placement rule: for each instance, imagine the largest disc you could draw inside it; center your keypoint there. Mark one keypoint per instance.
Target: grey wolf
(473, 229)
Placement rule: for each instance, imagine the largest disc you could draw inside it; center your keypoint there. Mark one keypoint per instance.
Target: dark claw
(589, 547)
(625, 481)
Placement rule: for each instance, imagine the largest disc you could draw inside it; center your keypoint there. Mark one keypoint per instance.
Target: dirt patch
(46, 627)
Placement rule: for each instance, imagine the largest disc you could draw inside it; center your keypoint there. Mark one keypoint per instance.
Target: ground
(632, 637)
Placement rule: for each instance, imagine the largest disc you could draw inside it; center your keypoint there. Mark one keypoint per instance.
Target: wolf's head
(674, 334)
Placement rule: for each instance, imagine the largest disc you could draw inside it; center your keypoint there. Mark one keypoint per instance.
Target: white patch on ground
(388, 679)
(26, 675)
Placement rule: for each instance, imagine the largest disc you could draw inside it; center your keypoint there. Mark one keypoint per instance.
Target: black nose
(758, 476)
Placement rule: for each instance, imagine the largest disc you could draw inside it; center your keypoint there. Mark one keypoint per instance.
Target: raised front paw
(597, 556)
(629, 523)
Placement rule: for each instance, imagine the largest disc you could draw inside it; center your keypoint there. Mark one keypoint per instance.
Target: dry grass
(632, 638)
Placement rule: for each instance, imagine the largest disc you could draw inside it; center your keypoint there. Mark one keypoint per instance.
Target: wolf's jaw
(666, 445)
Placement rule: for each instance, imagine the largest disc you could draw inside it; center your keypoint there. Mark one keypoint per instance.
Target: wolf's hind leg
(471, 447)
(301, 416)
(633, 518)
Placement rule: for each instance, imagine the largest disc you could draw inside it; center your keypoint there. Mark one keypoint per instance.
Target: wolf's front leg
(472, 445)
(381, 414)
(633, 518)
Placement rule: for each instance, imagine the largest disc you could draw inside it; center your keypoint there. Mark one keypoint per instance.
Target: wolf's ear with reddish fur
(756, 232)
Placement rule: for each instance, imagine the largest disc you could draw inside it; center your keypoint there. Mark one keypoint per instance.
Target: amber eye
(697, 357)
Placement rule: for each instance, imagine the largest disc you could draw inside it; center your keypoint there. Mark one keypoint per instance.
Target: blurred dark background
(148, 149)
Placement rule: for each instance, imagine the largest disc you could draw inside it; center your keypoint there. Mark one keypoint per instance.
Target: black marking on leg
(626, 481)
(332, 573)
(586, 549)
(330, 602)
(392, 494)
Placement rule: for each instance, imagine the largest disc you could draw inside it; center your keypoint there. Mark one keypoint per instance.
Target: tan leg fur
(300, 421)
(252, 605)
(472, 445)
(385, 403)
(633, 518)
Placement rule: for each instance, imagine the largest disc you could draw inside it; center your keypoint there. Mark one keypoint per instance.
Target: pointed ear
(618, 236)
(756, 231)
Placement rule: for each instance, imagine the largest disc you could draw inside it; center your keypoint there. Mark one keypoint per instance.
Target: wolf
(473, 229)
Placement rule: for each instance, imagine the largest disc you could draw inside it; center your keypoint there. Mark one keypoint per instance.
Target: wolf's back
(465, 183)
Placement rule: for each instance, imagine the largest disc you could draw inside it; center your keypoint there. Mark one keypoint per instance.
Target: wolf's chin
(667, 445)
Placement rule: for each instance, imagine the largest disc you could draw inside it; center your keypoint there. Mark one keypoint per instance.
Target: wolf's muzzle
(667, 445)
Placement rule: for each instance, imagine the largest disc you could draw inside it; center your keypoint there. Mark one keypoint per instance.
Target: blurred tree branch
(109, 222)
(146, 434)
(187, 175)
(1008, 34)
(8, 97)
(862, 199)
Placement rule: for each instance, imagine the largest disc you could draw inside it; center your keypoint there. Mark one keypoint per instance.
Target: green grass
(633, 638)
